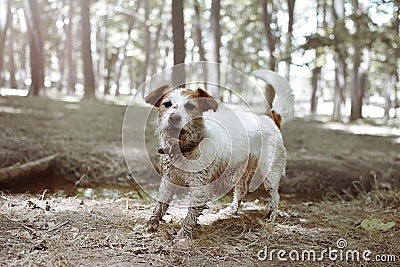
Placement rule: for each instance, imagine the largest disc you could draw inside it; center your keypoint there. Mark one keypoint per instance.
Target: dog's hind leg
(164, 197)
(271, 184)
(273, 203)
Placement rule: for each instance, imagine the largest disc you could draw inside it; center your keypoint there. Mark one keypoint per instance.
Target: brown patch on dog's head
(204, 100)
(155, 98)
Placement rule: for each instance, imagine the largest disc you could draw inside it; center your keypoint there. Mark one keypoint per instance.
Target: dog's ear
(206, 101)
(155, 97)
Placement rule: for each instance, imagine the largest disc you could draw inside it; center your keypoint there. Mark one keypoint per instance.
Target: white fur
(178, 101)
(240, 135)
(283, 103)
(239, 132)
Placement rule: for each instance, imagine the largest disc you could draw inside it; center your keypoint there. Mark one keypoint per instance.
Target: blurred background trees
(341, 56)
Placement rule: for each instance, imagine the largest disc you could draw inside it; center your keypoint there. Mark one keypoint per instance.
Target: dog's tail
(283, 104)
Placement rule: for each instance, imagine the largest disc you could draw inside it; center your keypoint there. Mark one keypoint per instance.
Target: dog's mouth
(179, 141)
(175, 133)
(182, 139)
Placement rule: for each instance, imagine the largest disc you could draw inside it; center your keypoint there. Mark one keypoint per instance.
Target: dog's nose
(174, 118)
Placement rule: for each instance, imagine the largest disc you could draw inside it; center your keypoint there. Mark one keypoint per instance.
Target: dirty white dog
(208, 147)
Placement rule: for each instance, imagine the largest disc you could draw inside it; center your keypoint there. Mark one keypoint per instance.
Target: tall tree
(110, 61)
(213, 70)
(198, 40)
(396, 26)
(289, 35)
(271, 43)
(120, 61)
(155, 55)
(340, 68)
(317, 68)
(90, 84)
(362, 42)
(4, 21)
(178, 31)
(11, 62)
(316, 76)
(147, 40)
(32, 13)
(71, 62)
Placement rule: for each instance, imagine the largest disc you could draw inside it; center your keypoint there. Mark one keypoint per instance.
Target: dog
(244, 149)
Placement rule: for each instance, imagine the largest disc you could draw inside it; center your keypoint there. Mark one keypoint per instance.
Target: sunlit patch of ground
(364, 129)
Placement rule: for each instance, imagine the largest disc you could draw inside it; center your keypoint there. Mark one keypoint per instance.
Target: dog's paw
(182, 240)
(228, 211)
(183, 235)
(152, 225)
(272, 216)
(181, 243)
(177, 241)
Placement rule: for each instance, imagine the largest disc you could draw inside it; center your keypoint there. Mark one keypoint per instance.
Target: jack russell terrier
(206, 146)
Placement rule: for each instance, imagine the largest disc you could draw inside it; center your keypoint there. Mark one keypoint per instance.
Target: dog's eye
(167, 104)
(190, 106)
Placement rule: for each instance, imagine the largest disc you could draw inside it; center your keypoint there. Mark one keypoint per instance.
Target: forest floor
(342, 182)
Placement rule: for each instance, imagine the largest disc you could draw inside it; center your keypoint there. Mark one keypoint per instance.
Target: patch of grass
(379, 195)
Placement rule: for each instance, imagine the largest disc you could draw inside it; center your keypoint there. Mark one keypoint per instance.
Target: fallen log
(19, 170)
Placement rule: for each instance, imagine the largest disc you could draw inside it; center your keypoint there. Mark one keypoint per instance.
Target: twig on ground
(77, 183)
(43, 194)
(57, 226)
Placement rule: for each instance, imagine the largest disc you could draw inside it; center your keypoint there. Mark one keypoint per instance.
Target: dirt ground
(338, 176)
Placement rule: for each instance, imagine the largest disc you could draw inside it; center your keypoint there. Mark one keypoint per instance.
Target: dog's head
(180, 115)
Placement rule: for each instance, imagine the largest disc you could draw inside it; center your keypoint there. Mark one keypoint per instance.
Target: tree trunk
(102, 40)
(122, 55)
(340, 69)
(388, 89)
(317, 70)
(4, 21)
(71, 63)
(110, 62)
(11, 61)
(361, 63)
(31, 8)
(22, 69)
(198, 40)
(156, 54)
(213, 70)
(147, 45)
(271, 43)
(396, 98)
(90, 84)
(397, 55)
(178, 31)
(316, 74)
(289, 35)
(340, 83)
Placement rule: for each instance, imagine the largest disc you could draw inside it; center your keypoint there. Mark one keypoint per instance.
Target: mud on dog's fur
(245, 148)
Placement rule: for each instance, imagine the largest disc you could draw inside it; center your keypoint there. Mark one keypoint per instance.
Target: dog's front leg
(164, 197)
(198, 199)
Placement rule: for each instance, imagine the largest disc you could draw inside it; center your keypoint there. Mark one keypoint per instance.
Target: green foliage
(376, 225)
